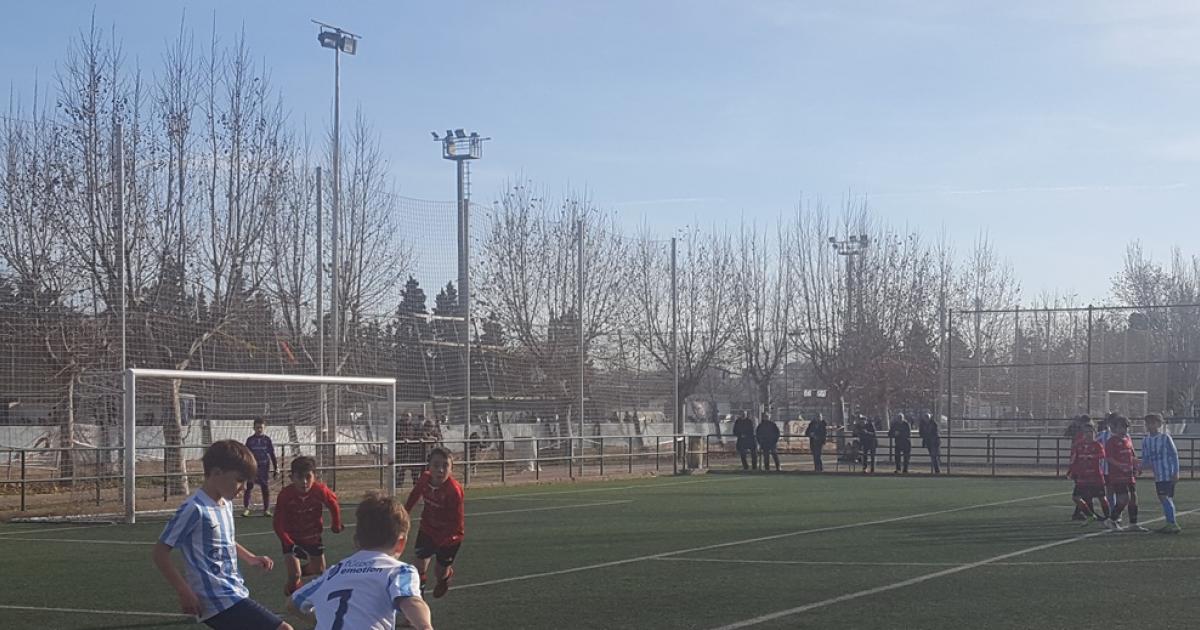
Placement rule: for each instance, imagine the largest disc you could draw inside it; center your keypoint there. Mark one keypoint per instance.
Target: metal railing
(517, 460)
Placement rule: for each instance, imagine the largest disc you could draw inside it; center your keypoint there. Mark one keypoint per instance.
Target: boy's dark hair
(381, 521)
(229, 455)
(303, 465)
(1118, 421)
(1154, 417)
(438, 450)
(260, 420)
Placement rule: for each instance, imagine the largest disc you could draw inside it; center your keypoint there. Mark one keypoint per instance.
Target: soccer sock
(1116, 511)
(1133, 510)
(1168, 505)
(1083, 506)
(266, 498)
(1104, 505)
(246, 498)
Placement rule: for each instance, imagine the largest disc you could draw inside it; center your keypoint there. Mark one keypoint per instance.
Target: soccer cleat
(1112, 525)
(1087, 520)
(1134, 527)
(267, 513)
(246, 514)
(443, 585)
(1169, 528)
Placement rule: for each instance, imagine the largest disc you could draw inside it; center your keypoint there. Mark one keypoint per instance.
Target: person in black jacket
(901, 434)
(768, 439)
(864, 430)
(817, 432)
(932, 441)
(743, 430)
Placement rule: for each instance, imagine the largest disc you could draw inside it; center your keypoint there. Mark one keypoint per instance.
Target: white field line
(272, 533)
(54, 529)
(641, 486)
(919, 579)
(747, 541)
(88, 611)
(832, 563)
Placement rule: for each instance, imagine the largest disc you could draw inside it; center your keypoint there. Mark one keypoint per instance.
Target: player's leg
(247, 495)
(1081, 501)
(907, 456)
(444, 567)
(1122, 496)
(1132, 509)
(817, 449)
(775, 456)
(292, 564)
(1166, 496)
(316, 565)
(266, 492)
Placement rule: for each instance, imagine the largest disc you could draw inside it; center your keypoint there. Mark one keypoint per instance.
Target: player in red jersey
(1123, 470)
(298, 522)
(441, 531)
(1086, 456)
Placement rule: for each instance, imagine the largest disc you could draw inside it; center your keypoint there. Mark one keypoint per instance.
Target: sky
(1060, 130)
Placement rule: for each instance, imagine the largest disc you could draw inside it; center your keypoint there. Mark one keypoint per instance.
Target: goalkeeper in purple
(264, 455)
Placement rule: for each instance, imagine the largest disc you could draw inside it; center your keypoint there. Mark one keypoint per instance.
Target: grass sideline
(707, 552)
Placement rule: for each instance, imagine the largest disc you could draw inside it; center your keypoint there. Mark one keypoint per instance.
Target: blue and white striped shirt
(1102, 437)
(202, 530)
(1159, 453)
(359, 592)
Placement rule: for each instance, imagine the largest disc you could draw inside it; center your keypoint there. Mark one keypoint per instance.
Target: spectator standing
(768, 441)
(901, 434)
(864, 430)
(743, 430)
(932, 441)
(817, 432)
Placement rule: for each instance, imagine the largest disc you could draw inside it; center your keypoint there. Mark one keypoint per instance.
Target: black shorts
(304, 551)
(1088, 491)
(1165, 488)
(425, 549)
(1122, 487)
(244, 615)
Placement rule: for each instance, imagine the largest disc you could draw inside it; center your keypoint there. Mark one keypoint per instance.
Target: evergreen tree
(413, 300)
(446, 302)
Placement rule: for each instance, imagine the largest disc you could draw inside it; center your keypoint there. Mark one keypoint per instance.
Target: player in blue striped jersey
(1160, 455)
(365, 590)
(202, 529)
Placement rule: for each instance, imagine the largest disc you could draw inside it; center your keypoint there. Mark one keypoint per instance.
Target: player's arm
(335, 511)
(414, 495)
(281, 507)
(188, 602)
(249, 558)
(416, 611)
(1172, 457)
(274, 462)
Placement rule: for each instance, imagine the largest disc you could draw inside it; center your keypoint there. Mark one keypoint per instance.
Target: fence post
(992, 450)
(23, 477)
(96, 474)
(503, 462)
(537, 461)
(1057, 457)
(657, 440)
(675, 454)
(164, 479)
(631, 454)
(1037, 461)
(601, 455)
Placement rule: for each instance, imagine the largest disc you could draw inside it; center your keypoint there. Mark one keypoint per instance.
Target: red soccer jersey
(442, 516)
(1122, 460)
(298, 516)
(1086, 456)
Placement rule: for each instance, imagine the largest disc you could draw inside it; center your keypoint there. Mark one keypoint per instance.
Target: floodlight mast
(340, 41)
(460, 147)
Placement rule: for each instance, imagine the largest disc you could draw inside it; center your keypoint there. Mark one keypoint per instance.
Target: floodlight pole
(460, 147)
(340, 41)
(851, 249)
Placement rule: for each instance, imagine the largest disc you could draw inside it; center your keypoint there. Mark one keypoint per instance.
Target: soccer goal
(348, 424)
(1131, 404)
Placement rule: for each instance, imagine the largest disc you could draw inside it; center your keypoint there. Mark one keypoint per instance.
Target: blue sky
(1063, 130)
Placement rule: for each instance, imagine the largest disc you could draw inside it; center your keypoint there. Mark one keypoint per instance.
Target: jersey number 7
(343, 597)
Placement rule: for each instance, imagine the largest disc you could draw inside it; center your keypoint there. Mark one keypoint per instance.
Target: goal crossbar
(129, 395)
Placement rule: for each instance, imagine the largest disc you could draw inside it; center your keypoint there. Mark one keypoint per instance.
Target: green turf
(877, 532)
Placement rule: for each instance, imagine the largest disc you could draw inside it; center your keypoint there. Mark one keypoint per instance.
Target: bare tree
(765, 301)
(842, 339)
(707, 298)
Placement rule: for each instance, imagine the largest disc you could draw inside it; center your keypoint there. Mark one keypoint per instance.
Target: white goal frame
(129, 394)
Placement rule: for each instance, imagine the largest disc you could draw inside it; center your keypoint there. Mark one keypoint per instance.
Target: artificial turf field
(710, 551)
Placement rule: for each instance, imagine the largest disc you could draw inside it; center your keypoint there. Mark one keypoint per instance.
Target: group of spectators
(763, 439)
(415, 437)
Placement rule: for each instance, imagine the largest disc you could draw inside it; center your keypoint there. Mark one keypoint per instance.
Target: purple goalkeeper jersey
(263, 449)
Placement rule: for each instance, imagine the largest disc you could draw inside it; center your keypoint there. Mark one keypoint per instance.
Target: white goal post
(130, 414)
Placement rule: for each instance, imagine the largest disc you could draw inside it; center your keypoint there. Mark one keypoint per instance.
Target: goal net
(348, 424)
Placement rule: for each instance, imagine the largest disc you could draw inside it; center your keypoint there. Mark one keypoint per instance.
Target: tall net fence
(1033, 370)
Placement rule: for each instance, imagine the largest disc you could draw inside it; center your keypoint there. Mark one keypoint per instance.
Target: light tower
(853, 247)
(460, 147)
